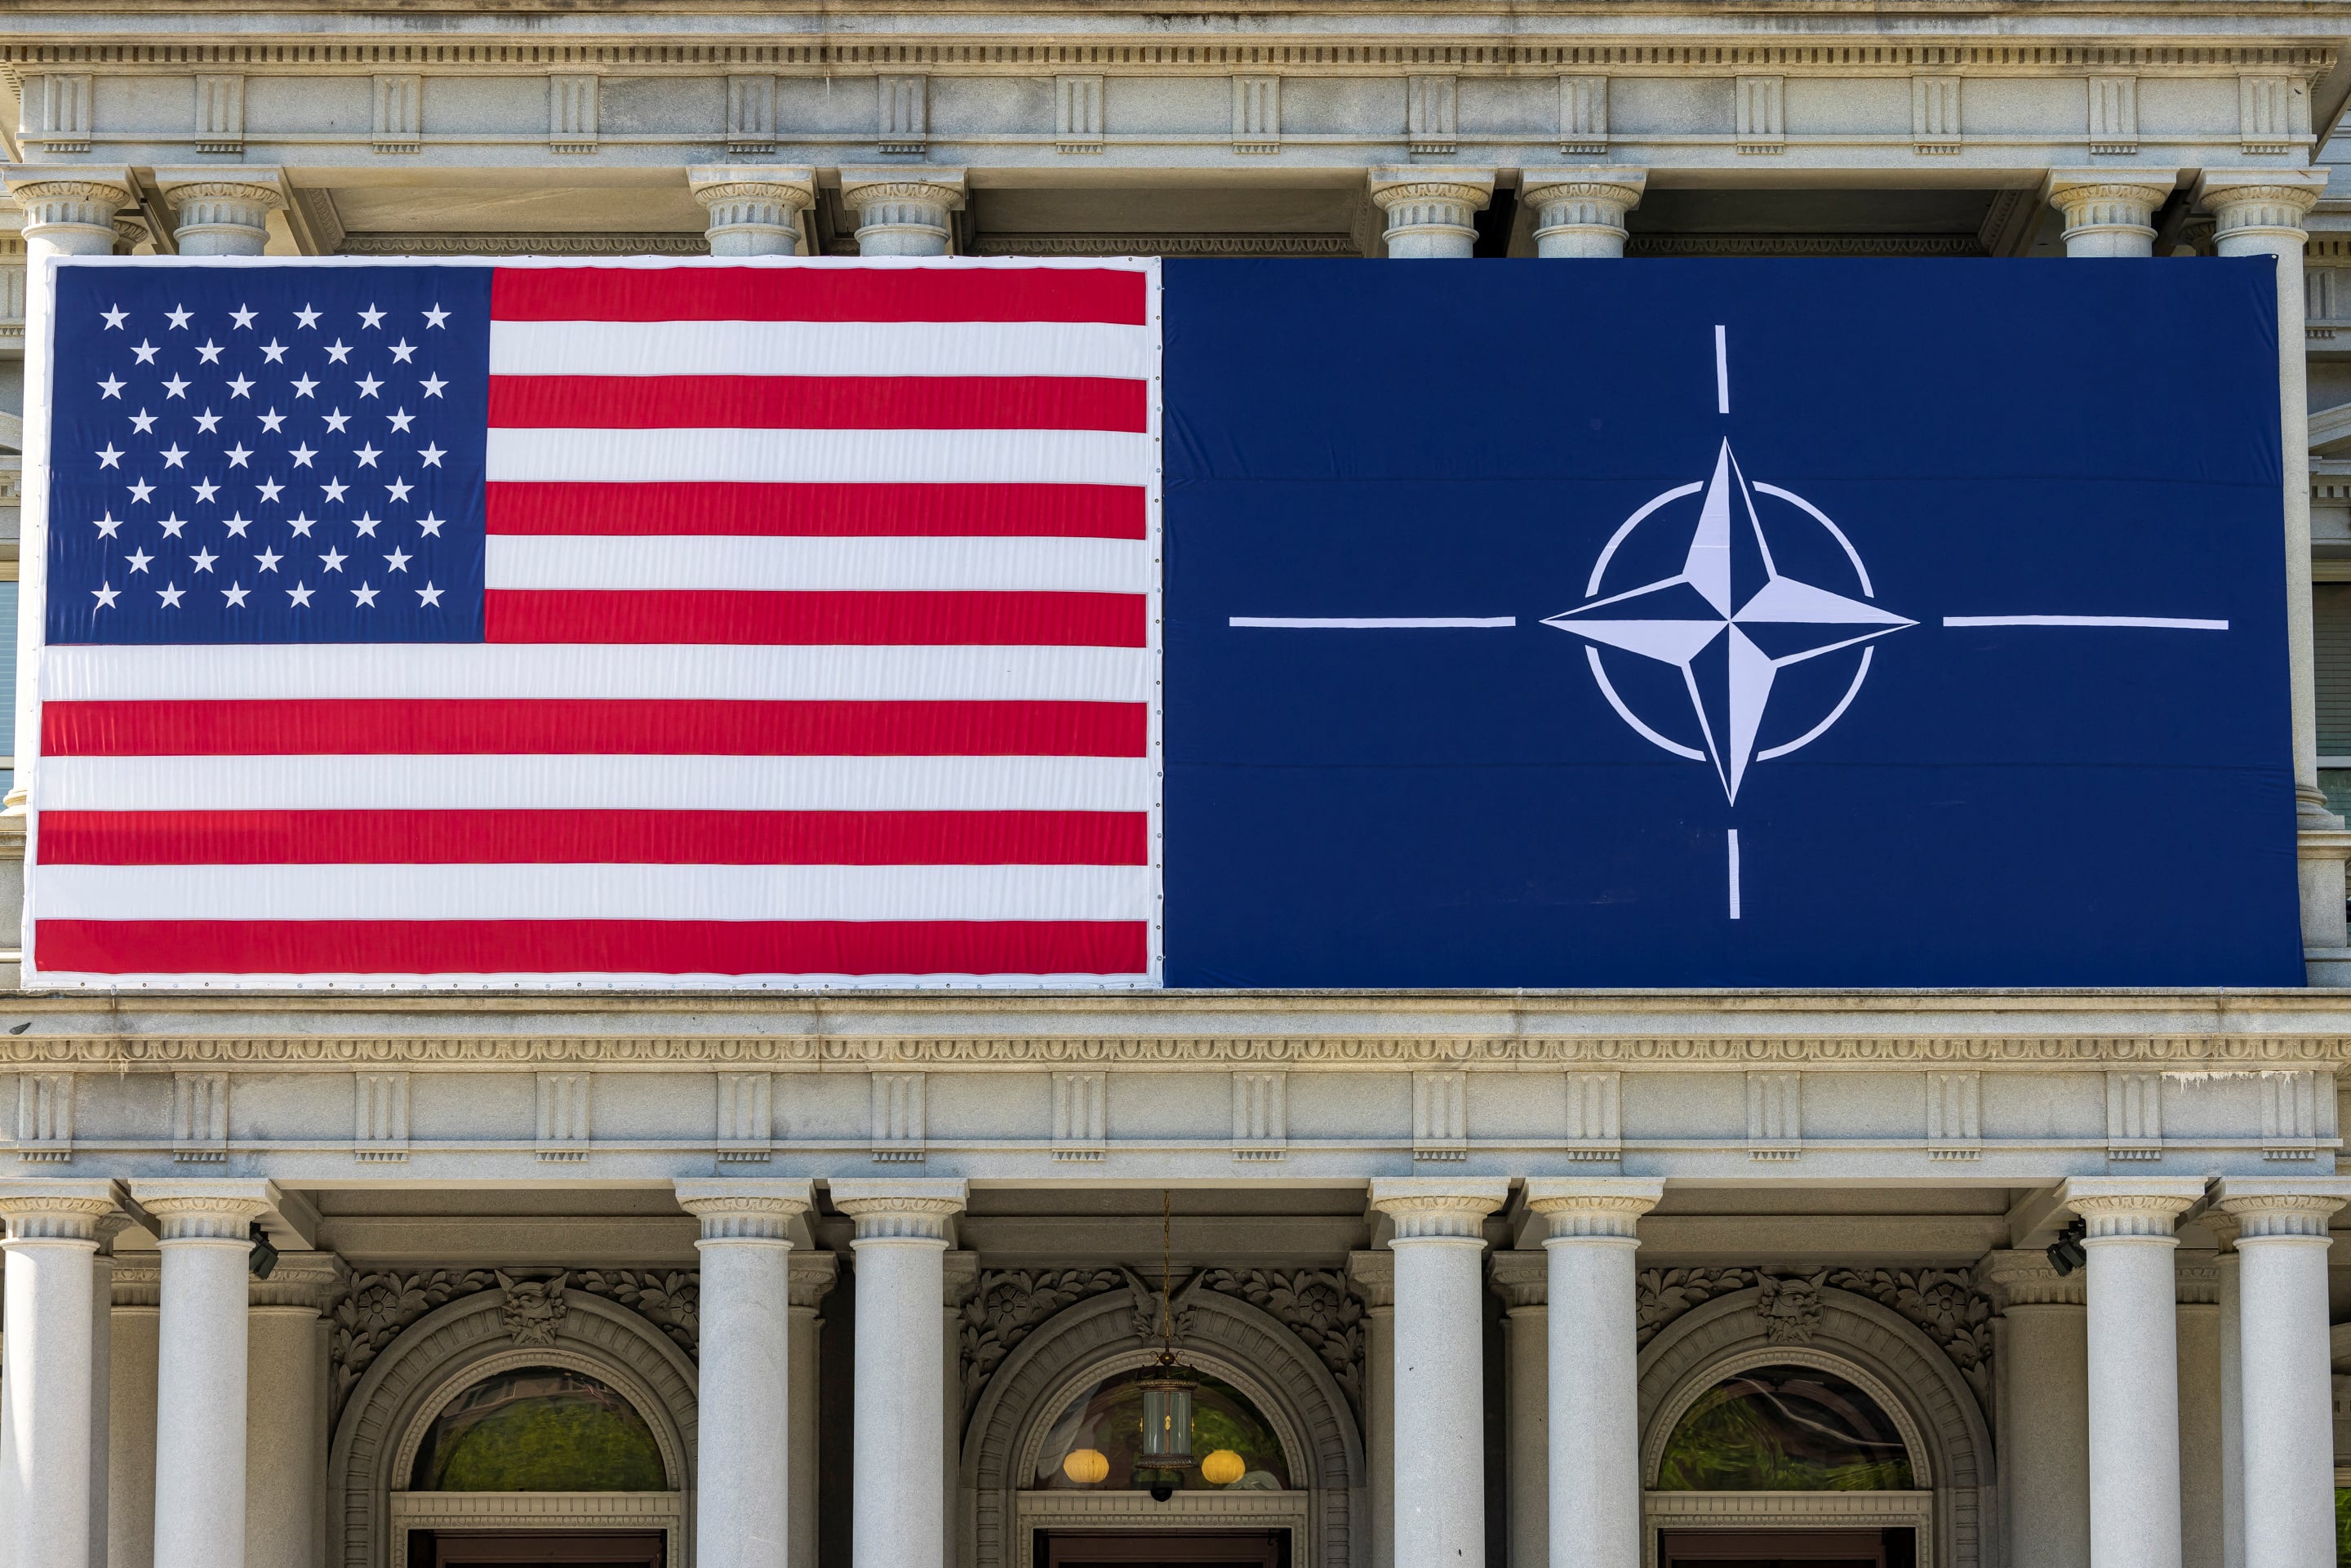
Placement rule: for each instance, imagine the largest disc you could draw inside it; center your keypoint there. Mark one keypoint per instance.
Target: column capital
(1392, 187)
(754, 209)
(746, 1209)
(1438, 1208)
(2023, 1277)
(71, 208)
(913, 1210)
(959, 1278)
(1430, 211)
(2108, 212)
(2118, 1208)
(309, 1281)
(222, 212)
(1581, 212)
(1373, 1276)
(2277, 1208)
(2262, 201)
(1592, 1208)
(1521, 1279)
(58, 1211)
(814, 1273)
(205, 1209)
(902, 212)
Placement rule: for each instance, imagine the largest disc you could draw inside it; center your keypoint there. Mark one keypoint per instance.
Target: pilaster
(1372, 1275)
(222, 212)
(1430, 211)
(286, 1404)
(754, 209)
(902, 212)
(1581, 212)
(2110, 211)
(812, 1276)
(1522, 1279)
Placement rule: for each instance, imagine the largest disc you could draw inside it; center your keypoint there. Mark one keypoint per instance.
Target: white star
(301, 524)
(110, 456)
(271, 352)
(174, 455)
(336, 419)
(237, 524)
(269, 488)
(240, 386)
(206, 489)
(435, 317)
(399, 489)
(115, 317)
(173, 525)
(397, 561)
(207, 420)
(369, 386)
(112, 386)
(334, 489)
(177, 386)
(433, 455)
(203, 560)
(140, 489)
(179, 318)
(106, 596)
(401, 350)
(271, 420)
(433, 385)
(170, 595)
(304, 386)
(1676, 618)
(401, 420)
(208, 352)
(430, 596)
(300, 596)
(235, 596)
(142, 421)
(370, 317)
(365, 595)
(333, 559)
(107, 525)
(241, 316)
(140, 561)
(268, 560)
(302, 456)
(146, 352)
(305, 316)
(237, 454)
(338, 351)
(365, 524)
(367, 456)
(430, 524)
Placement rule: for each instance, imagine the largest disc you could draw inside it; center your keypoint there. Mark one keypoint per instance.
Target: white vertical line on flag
(1721, 374)
(1734, 869)
(1155, 504)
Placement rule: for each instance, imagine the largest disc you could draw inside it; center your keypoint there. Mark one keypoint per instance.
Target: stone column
(2232, 1394)
(2134, 1364)
(960, 1273)
(1373, 1276)
(2043, 1410)
(1429, 210)
(52, 1238)
(1523, 1279)
(812, 1274)
(755, 209)
(131, 1397)
(1581, 212)
(199, 1385)
(221, 211)
(743, 1496)
(1440, 1506)
(2283, 1366)
(2108, 212)
(901, 1252)
(69, 210)
(1595, 1410)
(902, 212)
(2200, 1408)
(2260, 212)
(286, 1400)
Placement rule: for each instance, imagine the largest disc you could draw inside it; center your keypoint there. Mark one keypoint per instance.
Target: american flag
(619, 624)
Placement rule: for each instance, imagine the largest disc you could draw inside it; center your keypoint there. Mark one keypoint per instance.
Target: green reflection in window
(540, 1428)
(1108, 1419)
(1785, 1428)
(2343, 1527)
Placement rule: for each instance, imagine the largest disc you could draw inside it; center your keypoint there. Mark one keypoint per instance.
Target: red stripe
(594, 838)
(512, 727)
(819, 402)
(994, 511)
(600, 947)
(816, 294)
(725, 615)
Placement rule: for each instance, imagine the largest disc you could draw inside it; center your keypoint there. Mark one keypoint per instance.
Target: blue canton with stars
(242, 454)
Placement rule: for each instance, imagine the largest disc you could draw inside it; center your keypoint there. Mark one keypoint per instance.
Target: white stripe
(2158, 622)
(818, 348)
(551, 672)
(585, 783)
(1068, 566)
(595, 892)
(1371, 623)
(821, 456)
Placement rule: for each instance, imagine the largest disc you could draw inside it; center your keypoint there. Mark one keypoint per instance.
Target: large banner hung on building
(1218, 623)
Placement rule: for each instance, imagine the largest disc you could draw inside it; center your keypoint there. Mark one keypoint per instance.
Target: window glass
(539, 1428)
(2343, 1527)
(1785, 1428)
(1100, 1435)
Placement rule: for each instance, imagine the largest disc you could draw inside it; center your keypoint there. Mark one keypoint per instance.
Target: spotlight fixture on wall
(2066, 1253)
(264, 1259)
(1168, 1395)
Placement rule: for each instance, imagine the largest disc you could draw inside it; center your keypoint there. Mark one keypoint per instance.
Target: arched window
(1096, 1443)
(539, 1428)
(1785, 1428)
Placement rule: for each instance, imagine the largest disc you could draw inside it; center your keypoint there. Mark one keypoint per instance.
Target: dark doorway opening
(1789, 1549)
(1163, 1549)
(537, 1549)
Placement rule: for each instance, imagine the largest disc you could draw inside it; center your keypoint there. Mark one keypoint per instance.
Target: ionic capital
(2277, 1208)
(813, 1274)
(1520, 1279)
(913, 1210)
(70, 209)
(1438, 1208)
(2246, 203)
(58, 1211)
(2108, 212)
(2130, 1209)
(748, 1209)
(206, 1210)
(1581, 212)
(1373, 1276)
(1592, 1208)
(2023, 1278)
(754, 209)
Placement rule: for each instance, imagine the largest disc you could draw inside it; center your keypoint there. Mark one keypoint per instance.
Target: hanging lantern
(1223, 1468)
(1087, 1467)
(1167, 1421)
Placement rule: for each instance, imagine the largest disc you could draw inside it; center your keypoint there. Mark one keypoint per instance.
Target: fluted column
(2283, 1366)
(221, 211)
(2108, 212)
(1373, 1276)
(743, 1496)
(901, 1248)
(1595, 1415)
(52, 1241)
(286, 1402)
(1431, 212)
(69, 210)
(1440, 1232)
(754, 209)
(201, 1372)
(1522, 1279)
(2133, 1362)
(2043, 1410)
(902, 212)
(1581, 212)
(811, 1280)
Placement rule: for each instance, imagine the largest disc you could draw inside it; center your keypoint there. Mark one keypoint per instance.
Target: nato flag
(1869, 624)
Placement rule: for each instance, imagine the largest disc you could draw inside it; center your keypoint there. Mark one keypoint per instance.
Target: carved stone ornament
(1791, 1310)
(534, 1308)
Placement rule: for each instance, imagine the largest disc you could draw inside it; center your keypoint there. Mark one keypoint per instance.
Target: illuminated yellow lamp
(1087, 1467)
(1222, 1467)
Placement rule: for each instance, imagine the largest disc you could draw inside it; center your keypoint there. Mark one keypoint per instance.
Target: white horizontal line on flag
(1373, 622)
(2151, 623)
(584, 783)
(594, 893)
(560, 672)
(818, 348)
(897, 565)
(820, 456)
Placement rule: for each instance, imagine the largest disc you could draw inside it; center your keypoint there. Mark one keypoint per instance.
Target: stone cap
(2300, 187)
(21, 174)
(1532, 183)
(2057, 183)
(261, 178)
(1388, 184)
(947, 183)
